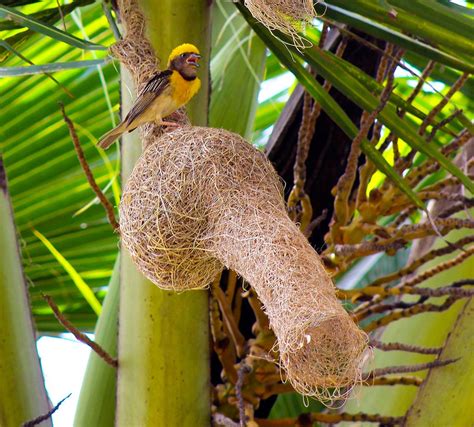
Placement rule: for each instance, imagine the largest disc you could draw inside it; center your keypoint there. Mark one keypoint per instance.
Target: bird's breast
(183, 90)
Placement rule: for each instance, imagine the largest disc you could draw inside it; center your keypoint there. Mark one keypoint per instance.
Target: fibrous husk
(288, 16)
(200, 199)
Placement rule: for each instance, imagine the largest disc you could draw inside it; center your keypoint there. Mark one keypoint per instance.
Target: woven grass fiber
(201, 199)
(288, 16)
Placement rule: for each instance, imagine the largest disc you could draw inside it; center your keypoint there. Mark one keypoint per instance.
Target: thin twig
(440, 268)
(227, 315)
(374, 307)
(62, 15)
(109, 209)
(400, 237)
(452, 90)
(430, 166)
(342, 211)
(395, 380)
(311, 112)
(261, 319)
(323, 35)
(242, 371)
(106, 357)
(434, 253)
(385, 63)
(442, 123)
(421, 81)
(405, 369)
(47, 416)
(315, 223)
(237, 306)
(409, 312)
(398, 346)
(457, 292)
(231, 286)
(408, 159)
(277, 388)
(225, 352)
(392, 138)
(451, 210)
(462, 282)
(358, 250)
(403, 216)
(446, 183)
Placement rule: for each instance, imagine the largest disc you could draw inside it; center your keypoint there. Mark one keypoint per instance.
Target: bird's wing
(155, 86)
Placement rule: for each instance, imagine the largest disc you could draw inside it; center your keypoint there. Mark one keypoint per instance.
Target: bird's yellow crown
(182, 48)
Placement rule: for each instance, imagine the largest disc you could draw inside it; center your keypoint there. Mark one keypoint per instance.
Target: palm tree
(406, 62)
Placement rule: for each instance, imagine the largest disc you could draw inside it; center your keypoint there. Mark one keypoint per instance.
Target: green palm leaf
(48, 30)
(47, 184)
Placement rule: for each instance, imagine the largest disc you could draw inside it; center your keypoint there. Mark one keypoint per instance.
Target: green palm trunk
(96, 404)
(163, 377)
(22, 393)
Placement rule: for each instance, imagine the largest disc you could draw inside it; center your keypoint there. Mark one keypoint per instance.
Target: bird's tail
(107, 140)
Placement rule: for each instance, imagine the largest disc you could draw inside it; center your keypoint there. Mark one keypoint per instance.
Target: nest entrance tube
(201, 199)
(287, 16)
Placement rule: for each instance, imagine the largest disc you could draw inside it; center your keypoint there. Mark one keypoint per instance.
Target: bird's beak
(193, 59)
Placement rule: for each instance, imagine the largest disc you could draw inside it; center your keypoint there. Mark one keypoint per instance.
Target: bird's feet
(170, 124)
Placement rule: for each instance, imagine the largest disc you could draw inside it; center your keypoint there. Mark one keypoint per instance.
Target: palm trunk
(163, 377)
(445, 397)
(96, 405)
(22, 392)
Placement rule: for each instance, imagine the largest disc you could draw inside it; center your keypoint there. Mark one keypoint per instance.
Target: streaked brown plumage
(163, 94)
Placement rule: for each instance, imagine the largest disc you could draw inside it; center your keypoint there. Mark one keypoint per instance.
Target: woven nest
(288, 16)
(201, 199)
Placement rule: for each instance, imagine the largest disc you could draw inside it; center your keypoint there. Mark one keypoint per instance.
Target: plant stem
(22, 392)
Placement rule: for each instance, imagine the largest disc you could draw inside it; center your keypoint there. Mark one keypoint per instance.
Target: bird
(163, 94)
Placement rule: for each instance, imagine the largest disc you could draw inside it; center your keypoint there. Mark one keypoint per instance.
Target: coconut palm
(406, 62)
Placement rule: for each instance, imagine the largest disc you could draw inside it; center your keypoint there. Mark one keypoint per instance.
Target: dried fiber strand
(134, 50)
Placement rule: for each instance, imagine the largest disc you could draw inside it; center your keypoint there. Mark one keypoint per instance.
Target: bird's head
(185, 60)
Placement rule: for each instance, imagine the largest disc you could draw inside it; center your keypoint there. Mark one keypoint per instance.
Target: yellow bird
(163, 94)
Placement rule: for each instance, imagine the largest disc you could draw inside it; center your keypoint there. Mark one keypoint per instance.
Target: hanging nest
(201, 199)
(287, 16)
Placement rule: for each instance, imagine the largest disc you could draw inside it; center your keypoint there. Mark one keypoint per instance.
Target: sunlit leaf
(48, 30)
(83, 287)
(49, 68)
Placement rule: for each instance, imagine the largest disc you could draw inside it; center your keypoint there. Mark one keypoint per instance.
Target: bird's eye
(183, 55)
